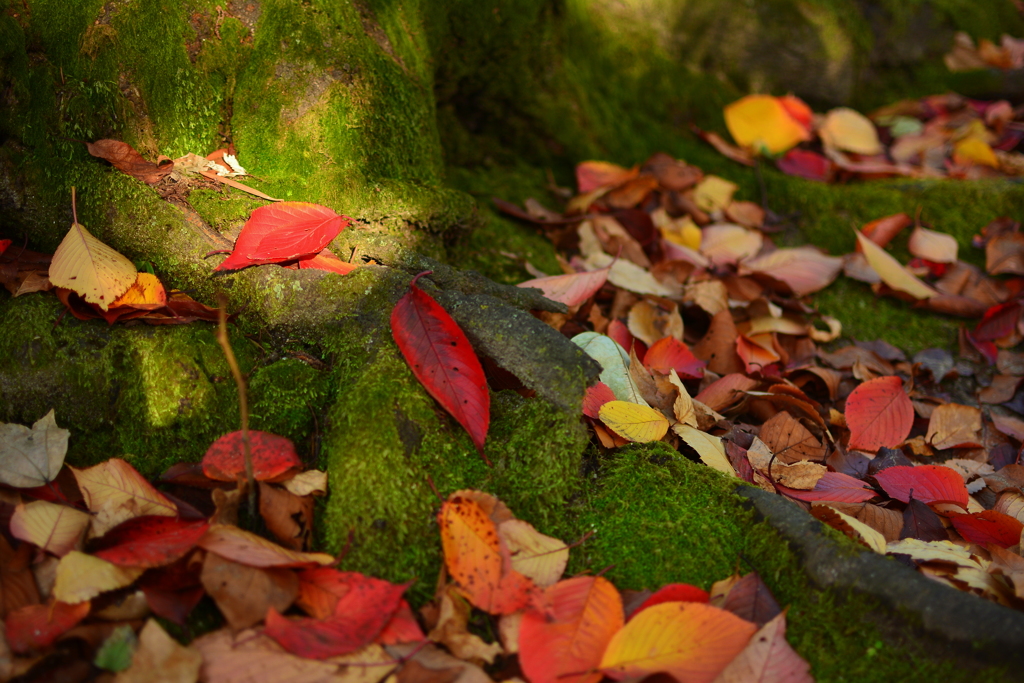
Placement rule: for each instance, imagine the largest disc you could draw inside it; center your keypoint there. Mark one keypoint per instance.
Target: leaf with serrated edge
(640, 424)
(90, 268)
(690, 641)
(114, 491)
(82, 577)
(534, 555)
(54, 528)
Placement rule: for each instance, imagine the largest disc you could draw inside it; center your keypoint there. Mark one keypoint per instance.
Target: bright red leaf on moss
(273, 457)
(150, 541)
(597, 395)
(928, 484)
(673, 592)
(987, 527)
(879, 413)
(35, 626)
(668, 353)
(442, 359)
(286, 231)
(842, 488)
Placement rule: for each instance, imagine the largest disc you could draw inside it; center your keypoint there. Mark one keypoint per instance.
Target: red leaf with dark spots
(879, 413)
(927, 483)
(669, 353)
(597, 395)
(150, 541)
(442, 359)
(842, 488)
(286, 231)
(273, 457)
(987, 527)
(673, 592)
(35, 626)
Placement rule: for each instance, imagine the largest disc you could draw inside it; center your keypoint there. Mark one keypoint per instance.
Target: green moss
(657, 518)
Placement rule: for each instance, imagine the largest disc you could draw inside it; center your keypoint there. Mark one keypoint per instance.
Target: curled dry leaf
(124, 158)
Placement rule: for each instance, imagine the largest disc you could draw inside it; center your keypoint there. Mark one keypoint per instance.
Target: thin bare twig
(243, 401)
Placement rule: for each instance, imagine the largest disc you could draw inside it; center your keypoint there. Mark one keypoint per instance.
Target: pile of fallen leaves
(91, 556)
(696, 319)
(942, 136)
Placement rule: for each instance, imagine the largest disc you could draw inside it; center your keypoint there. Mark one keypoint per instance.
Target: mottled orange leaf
(477, 562)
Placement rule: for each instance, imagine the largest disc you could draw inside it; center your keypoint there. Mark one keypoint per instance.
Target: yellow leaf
(708, 447)
(973, 150)
(90, 268)
(937, 247)
(728, 243)
(81, 577)
(714, 193)
(114, 491)
(683, 406)
(534, 555)
(849, 131)
(682, 231)
(690, 641)
(760, 122)
(890, 270)
(870, 536)
(634, 422)
(54, 528)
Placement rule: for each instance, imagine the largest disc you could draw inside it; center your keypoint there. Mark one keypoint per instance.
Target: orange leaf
(756, 351)
(591, 175)
(690, 641)
(146, 292)
(35, 626)
(249, 549)
(571, 289)
(562, 639)
(879, 413)
(475, 559)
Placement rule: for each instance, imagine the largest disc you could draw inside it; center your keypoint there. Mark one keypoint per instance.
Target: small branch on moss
(243, 402)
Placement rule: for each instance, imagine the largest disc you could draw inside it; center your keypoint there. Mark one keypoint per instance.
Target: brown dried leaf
(244, 594)
(954, 425)
(790, 440)
(125, 159)
(288, 517)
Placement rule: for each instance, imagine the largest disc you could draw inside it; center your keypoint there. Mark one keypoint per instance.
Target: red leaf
(750, 599)
(879, 413)
(3, 245)
(842, 488)
(669, 353)
(403, 627)
(928, 483)
(286, 231)
(442, 360)
(596, 396)
(150, 541)
(987, 527)
(998, 322)
(805, 164)
(35, 626)
(673, 592)
(273, 457)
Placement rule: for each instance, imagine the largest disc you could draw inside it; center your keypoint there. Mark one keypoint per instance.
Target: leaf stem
(243, 402)
(74, 211)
